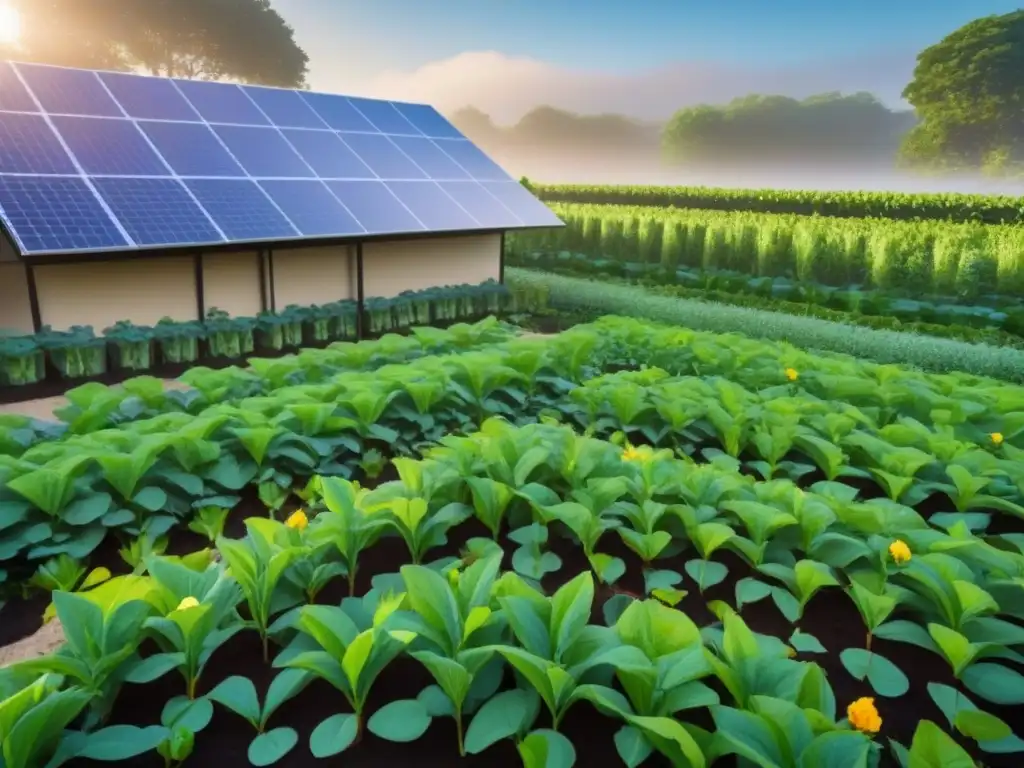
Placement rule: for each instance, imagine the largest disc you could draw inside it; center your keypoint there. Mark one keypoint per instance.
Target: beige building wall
(15, 308)
(231, 282)
(100, 293)
(306, 276)
(413, 265)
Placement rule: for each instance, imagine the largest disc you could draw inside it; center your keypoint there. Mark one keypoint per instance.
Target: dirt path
(48, 639)
(44, 407)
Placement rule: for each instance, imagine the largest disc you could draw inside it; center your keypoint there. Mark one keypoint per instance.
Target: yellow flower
(188, 602)
(632, 453)
(899, 551)
(791, 374)
(997, 438)
(863, 716)
(297, 520)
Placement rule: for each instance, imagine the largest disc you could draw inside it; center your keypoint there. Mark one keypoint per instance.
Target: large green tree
(968, 92)
(827, 130)
(244, 40)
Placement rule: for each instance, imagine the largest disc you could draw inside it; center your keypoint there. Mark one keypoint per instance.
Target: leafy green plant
(209, 522)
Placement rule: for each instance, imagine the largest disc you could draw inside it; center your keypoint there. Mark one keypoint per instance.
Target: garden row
(915, 258)
(1002, 324)
(785, 412)
(527, 595)
(78, 353)
(986, 209)
(597, 298)
(93, 406)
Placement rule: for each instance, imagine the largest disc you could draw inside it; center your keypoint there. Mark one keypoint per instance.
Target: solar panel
(101, 160)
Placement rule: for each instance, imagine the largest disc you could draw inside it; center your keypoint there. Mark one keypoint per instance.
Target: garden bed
(832, 534)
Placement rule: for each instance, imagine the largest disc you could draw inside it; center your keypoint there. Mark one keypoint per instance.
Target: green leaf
(191, 714)
(632, 746)
(884, 677)
(154, 667)
(547, 749)
(238, 694)
(981, 726)
(122, 742)
(333, 735)
(500, 718)
(750, 590)
(707, 573)
(995, 683)
(934, 748)
(836, 749)
(805, 643)
(269, 747)
(436, 701)
(403, 720)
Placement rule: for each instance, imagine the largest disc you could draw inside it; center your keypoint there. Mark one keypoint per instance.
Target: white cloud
(506, 87)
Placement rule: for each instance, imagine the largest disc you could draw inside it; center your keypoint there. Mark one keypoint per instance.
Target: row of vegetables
(79, 352)
(691, 693)
(780, 411)
(995, 313)
(948, 206)
(913, 258)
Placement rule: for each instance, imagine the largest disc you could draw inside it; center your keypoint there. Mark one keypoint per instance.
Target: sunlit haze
(10, 25)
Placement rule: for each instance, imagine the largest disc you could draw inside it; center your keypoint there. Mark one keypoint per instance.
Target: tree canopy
(829, 129)
(968, 91)
(245, 40)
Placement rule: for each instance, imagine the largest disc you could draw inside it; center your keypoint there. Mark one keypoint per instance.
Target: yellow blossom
(899, 551)
(188, 602)
(791, 374)
(632, 453)
(297, 520)
(997, 438)
(863, 716)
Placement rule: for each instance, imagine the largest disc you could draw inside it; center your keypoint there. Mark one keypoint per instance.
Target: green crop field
(987, 209)
(917, 257)
(625, 539)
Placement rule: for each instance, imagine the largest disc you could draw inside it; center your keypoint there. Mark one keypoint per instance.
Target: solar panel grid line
(159, 154)
(74, 161)
(397, 198)
(303, 160)
(228, 150)
(438, 187)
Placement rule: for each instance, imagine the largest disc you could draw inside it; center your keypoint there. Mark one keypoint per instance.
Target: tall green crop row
(983, 209)
(924, 256)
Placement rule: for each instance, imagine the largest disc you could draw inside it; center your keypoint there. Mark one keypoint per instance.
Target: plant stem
(868, 643)
(458, 730)
(352, 582)
(266, 646)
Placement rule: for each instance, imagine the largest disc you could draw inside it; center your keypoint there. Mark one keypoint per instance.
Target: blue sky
(352, 44)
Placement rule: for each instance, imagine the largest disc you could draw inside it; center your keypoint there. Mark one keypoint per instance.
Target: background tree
(827, 130)
(245, 40)
(968, 92)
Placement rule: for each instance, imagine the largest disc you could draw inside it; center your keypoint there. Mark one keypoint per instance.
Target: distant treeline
(826, 131)
(988, 209)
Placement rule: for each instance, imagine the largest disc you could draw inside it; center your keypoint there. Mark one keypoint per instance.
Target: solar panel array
(98, 161)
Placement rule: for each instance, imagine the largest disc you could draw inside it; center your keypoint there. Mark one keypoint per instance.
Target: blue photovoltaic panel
(157, 211)
(382, 156)
(375, 207)
(69, 91)
(13, 95)
(430, 159)
(328, 155)
(149, 98)
(312, 208)
(286, 109)
(221, 103)
(263, 152)
(105, 147)
(481, 205)
(518, 199)
(191, 149)
(56, 214)
(384, 117)
(429, 121)
(241, 209)
(431, 206)
(27, 145)
(193, 163)
(337, 112)
(476, 163)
